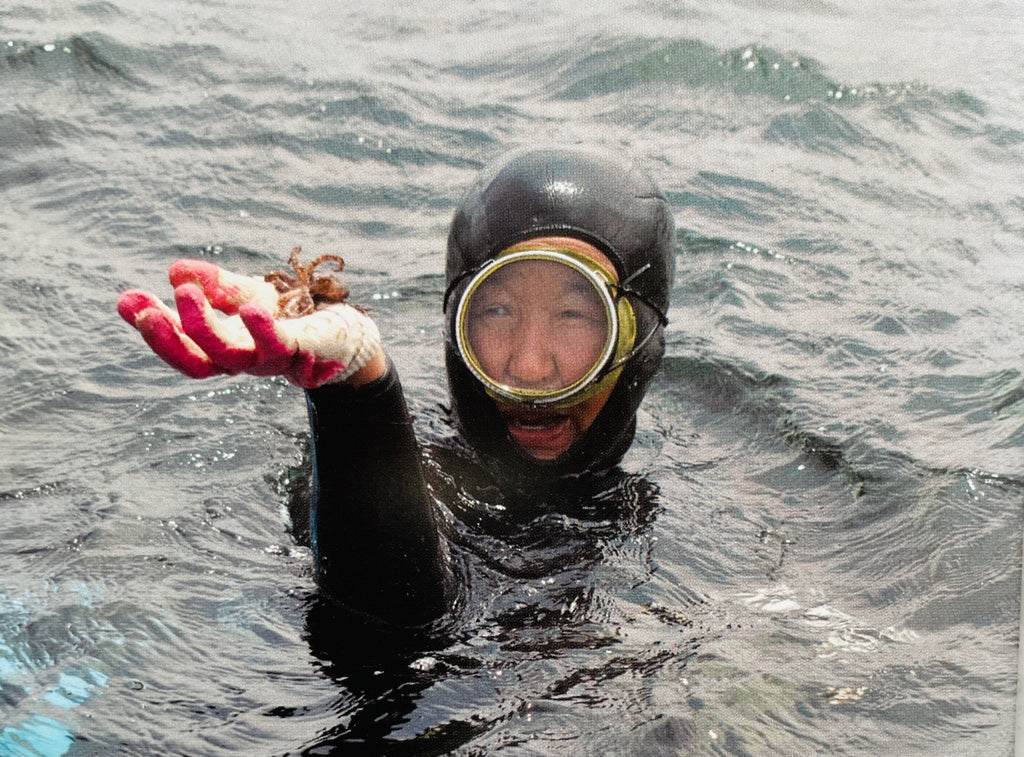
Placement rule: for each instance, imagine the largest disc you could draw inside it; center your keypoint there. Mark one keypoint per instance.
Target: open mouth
(535, 422)
(543, 435)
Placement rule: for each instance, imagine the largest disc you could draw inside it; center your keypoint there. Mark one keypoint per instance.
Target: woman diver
(558, 273)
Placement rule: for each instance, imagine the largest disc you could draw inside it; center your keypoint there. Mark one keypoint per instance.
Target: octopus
(303, 291)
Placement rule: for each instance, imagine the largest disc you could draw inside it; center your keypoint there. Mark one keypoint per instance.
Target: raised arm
(373, 525)
(376, 544)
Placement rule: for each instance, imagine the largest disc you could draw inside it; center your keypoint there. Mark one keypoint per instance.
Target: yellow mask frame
(616, 350)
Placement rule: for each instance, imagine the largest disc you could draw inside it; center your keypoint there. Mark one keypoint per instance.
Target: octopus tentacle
(300, 294)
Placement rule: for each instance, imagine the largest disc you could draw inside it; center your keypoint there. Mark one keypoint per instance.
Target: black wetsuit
(373, 526)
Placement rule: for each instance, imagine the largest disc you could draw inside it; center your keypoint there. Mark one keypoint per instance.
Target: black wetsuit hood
(591, 196)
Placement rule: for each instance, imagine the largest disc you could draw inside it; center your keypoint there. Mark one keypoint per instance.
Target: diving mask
(544, 327)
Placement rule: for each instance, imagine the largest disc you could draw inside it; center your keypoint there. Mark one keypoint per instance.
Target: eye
(582, 316)
(572, 313)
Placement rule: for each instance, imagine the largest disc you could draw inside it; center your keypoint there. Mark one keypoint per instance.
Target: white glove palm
(327, 346)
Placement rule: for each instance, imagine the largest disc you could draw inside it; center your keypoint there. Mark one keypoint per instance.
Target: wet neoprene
(375, 538)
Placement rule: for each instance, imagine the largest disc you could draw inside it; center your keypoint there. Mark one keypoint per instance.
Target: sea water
(816, 544)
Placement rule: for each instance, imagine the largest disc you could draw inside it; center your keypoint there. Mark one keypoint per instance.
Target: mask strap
(635, 274)
(455, 283)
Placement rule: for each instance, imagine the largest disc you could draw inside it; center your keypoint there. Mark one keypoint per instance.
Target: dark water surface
(815, 547)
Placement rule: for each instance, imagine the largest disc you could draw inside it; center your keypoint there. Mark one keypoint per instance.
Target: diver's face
(536, 328)
(537, 325)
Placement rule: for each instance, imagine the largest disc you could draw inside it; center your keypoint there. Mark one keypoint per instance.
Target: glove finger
(309, 372)
(275, 349)
(226, 340)
(225, 290)
(161, 330)
(134, 301)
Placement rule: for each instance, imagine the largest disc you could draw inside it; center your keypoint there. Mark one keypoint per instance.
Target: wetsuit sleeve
(373, 526)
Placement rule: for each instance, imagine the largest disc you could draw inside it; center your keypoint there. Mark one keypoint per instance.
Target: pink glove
(326, 346)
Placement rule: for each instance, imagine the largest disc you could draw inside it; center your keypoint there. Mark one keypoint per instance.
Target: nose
(532, 361)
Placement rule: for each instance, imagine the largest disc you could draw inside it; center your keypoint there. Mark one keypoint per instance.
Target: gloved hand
(327, 346)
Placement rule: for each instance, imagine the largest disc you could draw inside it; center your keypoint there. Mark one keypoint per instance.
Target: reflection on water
(814, 543)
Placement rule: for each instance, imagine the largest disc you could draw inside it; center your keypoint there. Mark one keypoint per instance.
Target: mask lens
(535, 328)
